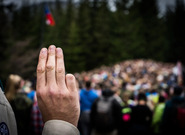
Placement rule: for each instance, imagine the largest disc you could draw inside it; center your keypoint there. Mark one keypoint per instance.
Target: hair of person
(178, 90)
(142, 96)
(12, 86)
(88, 84)
(161, 99)
(107, 92)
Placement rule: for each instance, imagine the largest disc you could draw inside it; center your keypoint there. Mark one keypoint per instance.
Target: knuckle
(59, 56)
(64, 95)
(40, 69)
(59, 70)
(69, 96)
(51, 53)
(52, 91)
(43, 56)
(49, 67)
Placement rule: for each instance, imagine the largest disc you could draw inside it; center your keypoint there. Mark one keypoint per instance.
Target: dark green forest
(90, 34)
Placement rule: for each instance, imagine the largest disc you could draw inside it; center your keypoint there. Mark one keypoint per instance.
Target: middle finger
(50, 66)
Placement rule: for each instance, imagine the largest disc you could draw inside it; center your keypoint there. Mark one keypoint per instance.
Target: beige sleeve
(7, 117)
(59, 127)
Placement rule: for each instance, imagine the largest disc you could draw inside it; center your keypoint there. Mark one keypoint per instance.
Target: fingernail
(52, 48)
(44, 50)
(59, 50)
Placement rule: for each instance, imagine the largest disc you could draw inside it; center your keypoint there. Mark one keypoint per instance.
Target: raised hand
(57, 93)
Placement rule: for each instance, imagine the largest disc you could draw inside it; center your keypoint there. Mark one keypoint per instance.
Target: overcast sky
(161, 3)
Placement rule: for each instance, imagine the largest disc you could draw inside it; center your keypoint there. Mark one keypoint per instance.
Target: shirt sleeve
(7, 117)
(59, 127)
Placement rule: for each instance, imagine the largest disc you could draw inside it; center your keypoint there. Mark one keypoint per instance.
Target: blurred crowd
(131, 97)
(21, 95)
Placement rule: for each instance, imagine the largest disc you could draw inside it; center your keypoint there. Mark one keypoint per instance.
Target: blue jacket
(87, 97)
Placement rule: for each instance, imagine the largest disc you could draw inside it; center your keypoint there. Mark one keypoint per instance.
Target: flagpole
(42, 27)
(46, 17)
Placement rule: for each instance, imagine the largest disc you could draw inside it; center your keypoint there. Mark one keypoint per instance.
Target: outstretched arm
(57, 93)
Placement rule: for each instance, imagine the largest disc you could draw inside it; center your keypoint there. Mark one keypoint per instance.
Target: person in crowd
(173, 120)
(20, 103)
(57, 96)
(117, 93)
(36, 121)
(105, 114)
(29, 89)
(157, 115)
(36, 118)
(14, 84)
(125, 113)
(141, 117)
(87, 97)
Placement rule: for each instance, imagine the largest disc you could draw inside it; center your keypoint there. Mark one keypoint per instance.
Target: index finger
(41, 68)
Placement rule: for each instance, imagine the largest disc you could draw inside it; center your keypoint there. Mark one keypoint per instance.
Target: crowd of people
(145, 96)
(21, 95)
(133, 97)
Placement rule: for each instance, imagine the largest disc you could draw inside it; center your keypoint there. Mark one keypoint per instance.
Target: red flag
(49, 18)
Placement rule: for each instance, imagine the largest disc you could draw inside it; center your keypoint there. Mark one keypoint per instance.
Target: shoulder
(93, 92)
(3, 100)
(31, 94)
(81, 92)
(7, 120)
(22, 101)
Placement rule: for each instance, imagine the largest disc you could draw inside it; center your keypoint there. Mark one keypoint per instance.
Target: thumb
(71, 82)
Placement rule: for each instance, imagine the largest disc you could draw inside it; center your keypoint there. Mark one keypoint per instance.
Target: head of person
(107, 92)
(27, 86)
(12, 86)
(88, 85)
(161, 99)
(142, 99)
(177, 90)
(126, 96)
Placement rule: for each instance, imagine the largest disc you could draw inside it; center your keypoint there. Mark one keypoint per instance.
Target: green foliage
(90, 34)
(5, 42)
(175, 20)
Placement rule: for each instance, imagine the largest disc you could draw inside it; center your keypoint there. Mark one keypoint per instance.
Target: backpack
(104, 114)
(126, 114)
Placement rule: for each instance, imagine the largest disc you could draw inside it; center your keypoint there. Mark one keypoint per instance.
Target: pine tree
(101, 34)
(120, 31)
(84, 24)
(175, 20)
(5, 41)
(147, 30)
(22, 21)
